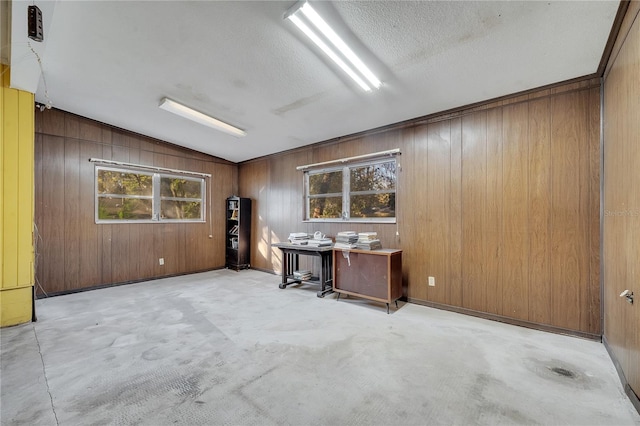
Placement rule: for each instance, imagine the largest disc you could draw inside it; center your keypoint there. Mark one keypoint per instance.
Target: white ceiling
(241, 62)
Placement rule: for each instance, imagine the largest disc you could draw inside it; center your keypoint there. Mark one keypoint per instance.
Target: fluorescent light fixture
(328, 32)
(312, 16)
(193, 115)
(330, 53)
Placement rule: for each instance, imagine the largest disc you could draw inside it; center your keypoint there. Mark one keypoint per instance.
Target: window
(181, 198)
(129, 195)
(358, 192)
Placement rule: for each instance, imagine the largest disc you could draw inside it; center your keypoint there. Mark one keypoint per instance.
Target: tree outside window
(360, 192)
(131, 195)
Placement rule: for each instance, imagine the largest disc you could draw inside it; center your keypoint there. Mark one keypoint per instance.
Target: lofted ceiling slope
(240, 62)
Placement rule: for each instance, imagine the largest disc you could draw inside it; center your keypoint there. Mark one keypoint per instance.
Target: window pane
(112, 208)
(374, 177)
(181, 209)
(325, 183)
(125, 183)
(180, 188)
(373, 206)
(325, 207)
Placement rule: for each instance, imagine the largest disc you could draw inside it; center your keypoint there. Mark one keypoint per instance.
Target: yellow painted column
(16, 203)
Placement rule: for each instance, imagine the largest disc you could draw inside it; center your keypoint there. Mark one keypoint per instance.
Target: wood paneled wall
(621, 220)
(500, 203)
(72, 251)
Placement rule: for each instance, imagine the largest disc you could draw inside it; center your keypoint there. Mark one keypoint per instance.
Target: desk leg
(285, 269)
(290, 262)
(325, 275)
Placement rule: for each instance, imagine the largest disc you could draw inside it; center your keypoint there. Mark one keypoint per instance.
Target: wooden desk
(290, 262)
(371, 274)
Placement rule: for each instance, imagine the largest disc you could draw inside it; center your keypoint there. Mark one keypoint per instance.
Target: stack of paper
(320, 242)
(365, 236)
(368, 241)
(302, 275)
(300, 238)
(346, 240)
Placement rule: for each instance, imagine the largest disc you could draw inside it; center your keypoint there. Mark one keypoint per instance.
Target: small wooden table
(290, 262)
(371, 274)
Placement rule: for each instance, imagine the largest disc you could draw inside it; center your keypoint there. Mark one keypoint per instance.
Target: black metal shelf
(238, 216)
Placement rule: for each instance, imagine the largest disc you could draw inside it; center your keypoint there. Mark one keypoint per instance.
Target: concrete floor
(227, 347)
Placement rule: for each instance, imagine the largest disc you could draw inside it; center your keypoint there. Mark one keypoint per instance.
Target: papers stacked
(346, 240)
(368, 241)
(320, 242)
(300, 238)
(302, 275)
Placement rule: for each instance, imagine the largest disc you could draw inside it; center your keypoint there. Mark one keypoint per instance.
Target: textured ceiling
(242, 63)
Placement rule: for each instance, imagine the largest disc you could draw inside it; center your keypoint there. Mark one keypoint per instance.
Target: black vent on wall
(36, 31)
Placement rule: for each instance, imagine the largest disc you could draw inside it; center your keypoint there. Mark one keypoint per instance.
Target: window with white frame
(364, 191)
(126, 195)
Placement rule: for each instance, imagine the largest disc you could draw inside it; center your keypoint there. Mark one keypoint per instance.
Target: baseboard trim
(623, 379)
(98, 287)
(507, 320)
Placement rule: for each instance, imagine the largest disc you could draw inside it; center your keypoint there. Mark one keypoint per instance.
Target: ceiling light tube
(327, 50)
(329, 33)
(200, 118)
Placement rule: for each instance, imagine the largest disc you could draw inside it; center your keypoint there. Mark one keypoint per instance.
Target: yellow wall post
(16, 203)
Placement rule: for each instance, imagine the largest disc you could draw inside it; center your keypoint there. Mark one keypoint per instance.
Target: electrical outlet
(161, 261)
(432, 281)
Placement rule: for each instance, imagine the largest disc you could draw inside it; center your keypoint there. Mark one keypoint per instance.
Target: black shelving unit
(238, 233)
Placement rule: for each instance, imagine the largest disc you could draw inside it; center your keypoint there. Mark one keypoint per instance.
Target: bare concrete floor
(232, 348)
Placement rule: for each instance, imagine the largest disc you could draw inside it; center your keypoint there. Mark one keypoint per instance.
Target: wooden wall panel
(50, 220)
(257, 172)
(594, 313)
(568, 213)
(515, 295)
(75, 252)
(408, 185)
(497, 203)
(225, 185)
(438, 186)
(540, 207)
(455, 290)
(414, 171)
(621, 220)
(279, 227)
(474, 179)
(494, 211)
(71, 210)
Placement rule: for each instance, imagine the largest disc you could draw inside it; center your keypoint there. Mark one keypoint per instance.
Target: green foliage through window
(125, 195)
(365, 191)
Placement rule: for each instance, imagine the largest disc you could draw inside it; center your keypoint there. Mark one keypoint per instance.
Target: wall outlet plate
(161, 261)
(432, 281)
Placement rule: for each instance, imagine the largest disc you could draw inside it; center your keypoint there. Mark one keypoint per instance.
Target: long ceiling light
(305, 9)
(193, 115)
